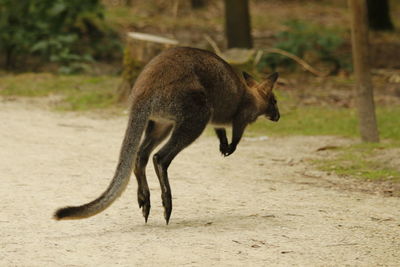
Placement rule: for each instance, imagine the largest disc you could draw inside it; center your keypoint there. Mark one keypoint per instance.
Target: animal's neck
(259, 100)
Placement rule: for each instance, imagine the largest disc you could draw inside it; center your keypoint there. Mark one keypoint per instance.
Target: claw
(146, 212)
(167, 214)
(167, 203)
(144, 204)
(224, 148)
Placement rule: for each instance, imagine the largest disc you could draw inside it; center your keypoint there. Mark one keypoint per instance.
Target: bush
(67, 32)
(304, 39)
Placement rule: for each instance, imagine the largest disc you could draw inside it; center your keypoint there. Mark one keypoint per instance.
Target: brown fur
(180, 91)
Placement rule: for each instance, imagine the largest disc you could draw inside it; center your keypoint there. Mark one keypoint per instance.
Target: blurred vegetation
(310, 41)
(69, 33)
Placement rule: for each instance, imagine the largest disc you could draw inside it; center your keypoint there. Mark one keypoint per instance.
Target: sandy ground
(262, 206)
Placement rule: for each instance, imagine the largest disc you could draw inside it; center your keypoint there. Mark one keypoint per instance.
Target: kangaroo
(178, 93)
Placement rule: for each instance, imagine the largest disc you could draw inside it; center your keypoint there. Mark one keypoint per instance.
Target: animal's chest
(223, 113)
(224, 108)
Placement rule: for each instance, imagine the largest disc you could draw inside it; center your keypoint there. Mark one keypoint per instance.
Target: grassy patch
(364, 161)
(361, 161)
(90, 92)
(78, 92)
(311, 120)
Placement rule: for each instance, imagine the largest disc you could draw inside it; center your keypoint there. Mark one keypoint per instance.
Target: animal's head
(264, 89)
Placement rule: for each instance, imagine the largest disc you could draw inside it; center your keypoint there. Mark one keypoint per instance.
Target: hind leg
(184, 133)
(155, 133)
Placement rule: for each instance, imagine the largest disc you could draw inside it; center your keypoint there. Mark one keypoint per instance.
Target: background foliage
(304, 39)
(66, 32)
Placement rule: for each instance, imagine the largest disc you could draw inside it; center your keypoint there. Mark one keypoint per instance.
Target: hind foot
(144, 204)
(167, 203)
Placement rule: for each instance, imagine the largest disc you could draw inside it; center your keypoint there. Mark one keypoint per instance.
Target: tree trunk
(364, 91)
(129, 3)
(139, 50)
(379, 15)
(198, 3)
(132, 65)
(237, 24)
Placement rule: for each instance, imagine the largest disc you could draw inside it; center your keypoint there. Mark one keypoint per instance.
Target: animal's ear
(269, 82)
(249, 79)
(273, 77)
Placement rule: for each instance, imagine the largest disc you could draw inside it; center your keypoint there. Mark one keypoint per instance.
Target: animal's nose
(276, 117)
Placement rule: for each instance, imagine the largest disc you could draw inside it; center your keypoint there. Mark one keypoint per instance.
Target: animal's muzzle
(276, 117)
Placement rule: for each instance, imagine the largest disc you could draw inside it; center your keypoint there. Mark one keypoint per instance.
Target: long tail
(137, 122)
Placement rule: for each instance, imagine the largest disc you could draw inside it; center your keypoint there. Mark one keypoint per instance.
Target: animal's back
(179, 70)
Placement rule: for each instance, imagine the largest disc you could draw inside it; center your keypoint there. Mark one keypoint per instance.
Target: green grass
(361, 161)
(78, 92)
(311, 120)
(81, 92)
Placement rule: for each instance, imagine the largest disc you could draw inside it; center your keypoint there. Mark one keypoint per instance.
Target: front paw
(224, 148)
(228, 150)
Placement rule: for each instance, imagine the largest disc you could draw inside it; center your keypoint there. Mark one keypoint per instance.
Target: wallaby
(180, 91)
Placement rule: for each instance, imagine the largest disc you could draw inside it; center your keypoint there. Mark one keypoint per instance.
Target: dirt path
(262, 206)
